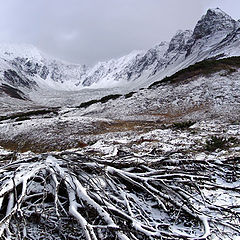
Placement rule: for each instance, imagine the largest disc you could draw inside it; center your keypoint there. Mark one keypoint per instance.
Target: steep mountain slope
(215, 35)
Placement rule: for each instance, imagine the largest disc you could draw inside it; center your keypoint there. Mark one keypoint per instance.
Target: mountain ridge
(216, 35)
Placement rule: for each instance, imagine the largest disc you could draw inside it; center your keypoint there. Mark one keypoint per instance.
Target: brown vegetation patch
(61, 138)
(126, 126)
(25, 145)
(172, 115)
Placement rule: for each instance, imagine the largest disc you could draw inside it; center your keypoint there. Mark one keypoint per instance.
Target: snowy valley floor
(172, 181)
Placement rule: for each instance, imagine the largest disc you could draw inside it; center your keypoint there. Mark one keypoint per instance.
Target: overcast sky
(88, 31)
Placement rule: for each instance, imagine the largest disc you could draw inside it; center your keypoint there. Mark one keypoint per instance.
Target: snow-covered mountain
(29, 63)
(216, 35)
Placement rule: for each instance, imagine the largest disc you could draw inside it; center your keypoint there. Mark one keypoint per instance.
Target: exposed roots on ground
(71, 196)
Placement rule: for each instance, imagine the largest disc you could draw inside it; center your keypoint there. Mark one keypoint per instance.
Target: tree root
(71, 196)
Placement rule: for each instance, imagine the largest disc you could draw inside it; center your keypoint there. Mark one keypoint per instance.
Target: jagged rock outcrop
(214, 21)
(13, 78)
(178, 42)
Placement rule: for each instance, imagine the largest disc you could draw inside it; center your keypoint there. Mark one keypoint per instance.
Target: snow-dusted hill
(215, 35)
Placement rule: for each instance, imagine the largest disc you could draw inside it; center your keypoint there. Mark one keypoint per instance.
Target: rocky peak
(213, 21)
(179, 40)
(156, 52)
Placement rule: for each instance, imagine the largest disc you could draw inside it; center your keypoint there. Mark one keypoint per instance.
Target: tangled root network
(72, 196)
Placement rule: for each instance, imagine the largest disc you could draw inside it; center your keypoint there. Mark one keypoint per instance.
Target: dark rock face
(131, 69)
(152, 56)
(209, 33)
(31, 68)
(97, 74)
(13, 78)
(214, 25)
(178, 42)
(56, 75)
(214, 21)
(12, 92)
(44, 73)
